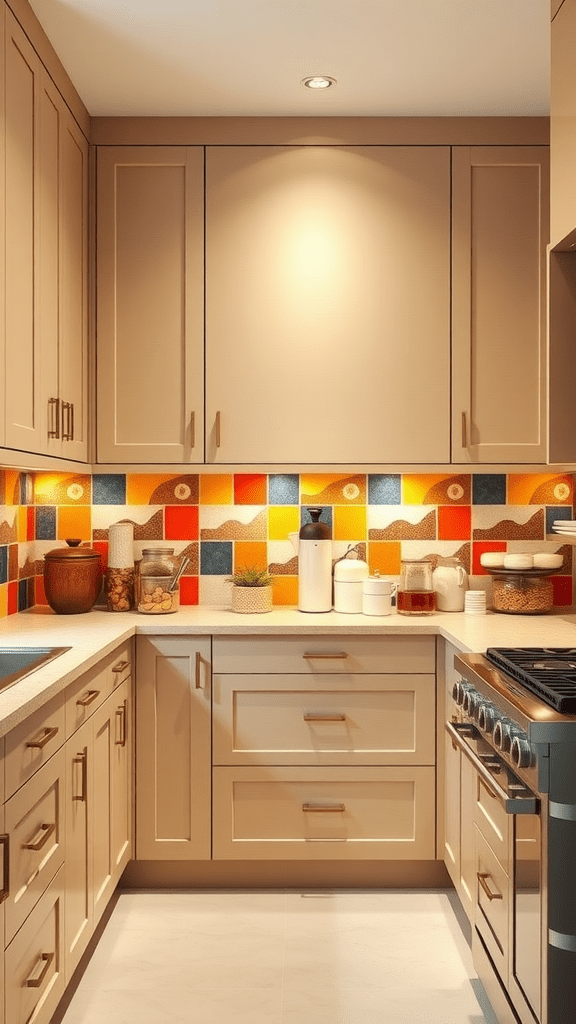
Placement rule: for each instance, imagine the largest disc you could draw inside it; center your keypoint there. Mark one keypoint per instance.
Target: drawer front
(32, 743)
(369, 719)
(35, 961)
(85, 695)
(34, 821)
(492, 900)
(321, 655)
(119, 664)
(324, 813)
(492, 821)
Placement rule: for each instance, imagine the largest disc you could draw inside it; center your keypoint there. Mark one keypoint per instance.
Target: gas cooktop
(549, 672)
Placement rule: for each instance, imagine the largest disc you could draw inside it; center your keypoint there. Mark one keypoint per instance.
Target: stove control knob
(471, 702)
(459, 689)
(504, 732)
(521, 752)
(486, 717)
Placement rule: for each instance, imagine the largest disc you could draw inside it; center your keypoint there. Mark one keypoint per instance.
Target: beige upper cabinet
(500, 232)
(327, 304)
(150, 304)
(563, 124)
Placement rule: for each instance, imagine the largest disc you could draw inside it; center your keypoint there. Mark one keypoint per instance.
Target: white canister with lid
(377, 595)
(349, 576)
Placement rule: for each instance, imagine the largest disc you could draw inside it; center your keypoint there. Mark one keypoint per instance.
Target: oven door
(527, 962)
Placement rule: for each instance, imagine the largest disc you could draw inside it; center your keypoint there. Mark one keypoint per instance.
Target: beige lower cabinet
(173, 742)
(4, 852)
(34, 965)
(79, 911)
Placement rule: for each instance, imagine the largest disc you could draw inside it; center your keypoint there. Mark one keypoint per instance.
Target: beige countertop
(97, 633)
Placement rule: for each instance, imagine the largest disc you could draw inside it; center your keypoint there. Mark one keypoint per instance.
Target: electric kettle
(313, 545)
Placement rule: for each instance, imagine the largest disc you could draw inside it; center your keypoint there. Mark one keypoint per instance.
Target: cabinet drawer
(32, 743)
(119, 664)
(34, 821)
(320, 655)
(323, 813)
(491, 820)
(492, 897)
(281, 719)
(85, 695)
(35, 962)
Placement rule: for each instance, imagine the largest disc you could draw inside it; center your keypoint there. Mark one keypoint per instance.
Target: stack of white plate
(565, 526)
(475, 602)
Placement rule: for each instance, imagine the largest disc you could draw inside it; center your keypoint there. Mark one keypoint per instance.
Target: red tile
(181, 522)
(30, 523)
(102, 547)
(454, 522)
(249, 489)
(12, 597)
(478, 548)
(40, 593)
(562, 590)
(188, 590)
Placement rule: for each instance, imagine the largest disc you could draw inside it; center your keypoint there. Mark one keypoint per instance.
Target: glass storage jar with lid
(415, 594)
(157, 590)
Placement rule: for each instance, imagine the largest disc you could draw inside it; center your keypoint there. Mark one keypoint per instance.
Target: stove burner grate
(549, 672)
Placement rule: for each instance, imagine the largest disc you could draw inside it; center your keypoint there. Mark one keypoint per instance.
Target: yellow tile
(350, 522)
(248, 553)
(384, 556)
(216, 489)
(74, 522)
(3, 600)
(22, 523)
(436, 488)
(282, 520)
(141, 486)
(62, 489)
(285, 590)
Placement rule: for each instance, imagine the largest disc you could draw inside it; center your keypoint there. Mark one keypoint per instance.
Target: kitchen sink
(17, 662)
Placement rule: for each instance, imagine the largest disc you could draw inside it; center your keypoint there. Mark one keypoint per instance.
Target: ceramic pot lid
(73, 551)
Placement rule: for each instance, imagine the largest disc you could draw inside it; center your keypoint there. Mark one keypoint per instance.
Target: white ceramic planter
(251, 599)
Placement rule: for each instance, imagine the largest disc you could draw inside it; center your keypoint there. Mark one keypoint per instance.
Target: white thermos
(315, 565)
(349, 576)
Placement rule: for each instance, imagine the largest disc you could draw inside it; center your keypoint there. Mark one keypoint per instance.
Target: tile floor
(281, 958)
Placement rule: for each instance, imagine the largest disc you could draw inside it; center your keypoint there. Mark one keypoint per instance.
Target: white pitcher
(450, 582)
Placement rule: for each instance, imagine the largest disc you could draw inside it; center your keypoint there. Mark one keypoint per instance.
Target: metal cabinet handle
(66, 433)
(198, 681)
(192, 429)
(217, 429)
(71, 421)
(324, 718)
(121, 717)
(43, 737)
(88, 698)
(82, 760)
(340, 655)
(45, 832)
(120, 666)
(46, 959)
(488, 788)
(324, 808)
(464, 431)
(54, 417)
(482, 876)
(5, 891)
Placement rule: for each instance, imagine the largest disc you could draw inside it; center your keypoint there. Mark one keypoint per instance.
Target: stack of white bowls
(475, 602)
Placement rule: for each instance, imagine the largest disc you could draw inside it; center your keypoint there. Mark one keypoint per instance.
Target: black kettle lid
(315, 530)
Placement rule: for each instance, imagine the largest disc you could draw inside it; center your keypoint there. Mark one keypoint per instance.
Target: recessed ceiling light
(318, 82)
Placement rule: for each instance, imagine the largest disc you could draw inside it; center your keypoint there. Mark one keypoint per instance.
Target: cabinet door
(466, 888)
(23, 372)
(150, 306)
(121, 701)
(79, 845)
(4, 854)
(328, 295)
(173, 769)
(2, 247)
(452, 766)
(500, 231)
(563, 124)
(101, 789)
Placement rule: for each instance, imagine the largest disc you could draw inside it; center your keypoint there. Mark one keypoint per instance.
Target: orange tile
(62, 489)
(333, 489)
(216, 489)
(22, 518)
(248, 553)
(454, 522)
(3, 600)
(74, 522)
(384, 556)
(540, 489)
(350, 522)
(285, 590)
(141, 486)
(436, 488)
(12, 597)
(282, 520)
(250, 489)
(40, 593)
(12, 487)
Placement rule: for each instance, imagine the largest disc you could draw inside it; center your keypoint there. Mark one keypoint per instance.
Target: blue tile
(215, 558)
(3, 563)
(283, 489)
(22, 595)
(384, 489)
(26, 489)
(45, 522)
(556, 512)
(325, 516)
(489, 489)
(109, 489)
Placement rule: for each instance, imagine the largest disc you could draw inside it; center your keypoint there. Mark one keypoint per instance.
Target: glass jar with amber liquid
(416, 592)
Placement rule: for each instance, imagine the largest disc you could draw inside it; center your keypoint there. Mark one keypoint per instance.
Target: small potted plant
(251, 589)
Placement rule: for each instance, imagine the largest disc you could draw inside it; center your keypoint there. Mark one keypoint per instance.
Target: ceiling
(247, 57)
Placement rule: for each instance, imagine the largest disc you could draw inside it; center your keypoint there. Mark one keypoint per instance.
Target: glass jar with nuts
(157, 587)
(522, 593)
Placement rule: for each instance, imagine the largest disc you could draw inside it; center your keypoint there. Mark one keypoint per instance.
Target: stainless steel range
(514, 717)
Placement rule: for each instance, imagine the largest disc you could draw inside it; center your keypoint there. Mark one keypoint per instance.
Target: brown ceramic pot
(72, 578)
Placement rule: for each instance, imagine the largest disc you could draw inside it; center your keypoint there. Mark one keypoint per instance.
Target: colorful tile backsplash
(223, 521)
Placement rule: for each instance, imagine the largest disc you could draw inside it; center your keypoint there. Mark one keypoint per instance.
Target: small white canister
(377, 596)
(349, 576)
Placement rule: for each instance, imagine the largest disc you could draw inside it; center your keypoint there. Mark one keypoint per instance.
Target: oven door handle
(512, 805)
